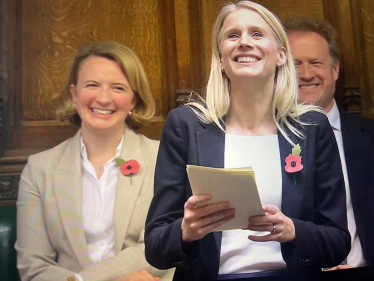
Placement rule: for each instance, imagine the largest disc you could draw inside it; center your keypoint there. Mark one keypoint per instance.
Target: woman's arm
(36, 257)
(163, 240)
(129, 260)
(322, 237)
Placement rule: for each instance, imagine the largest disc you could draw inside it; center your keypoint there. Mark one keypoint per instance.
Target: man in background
(315, 51)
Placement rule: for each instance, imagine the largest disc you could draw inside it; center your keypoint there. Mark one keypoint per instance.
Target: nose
(103, 95)
(245, 41)
(304, 72)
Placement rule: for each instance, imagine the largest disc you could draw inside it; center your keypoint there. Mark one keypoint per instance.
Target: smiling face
(248, 47)
(102, 95)
(317, 75)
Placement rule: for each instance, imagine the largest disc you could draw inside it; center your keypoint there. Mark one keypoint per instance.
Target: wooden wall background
(172, 39)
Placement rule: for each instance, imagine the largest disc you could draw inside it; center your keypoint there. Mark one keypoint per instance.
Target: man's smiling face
(316, 72)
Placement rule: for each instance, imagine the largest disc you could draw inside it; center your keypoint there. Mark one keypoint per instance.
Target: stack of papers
(236, 186)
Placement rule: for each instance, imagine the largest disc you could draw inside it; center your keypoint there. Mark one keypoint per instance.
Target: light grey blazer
(51, 243)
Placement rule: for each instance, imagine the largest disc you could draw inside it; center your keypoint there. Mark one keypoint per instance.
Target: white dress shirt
(356, 256)
(98, 197)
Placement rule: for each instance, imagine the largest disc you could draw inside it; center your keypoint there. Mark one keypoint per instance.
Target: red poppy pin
(128, 168)
(293, 161)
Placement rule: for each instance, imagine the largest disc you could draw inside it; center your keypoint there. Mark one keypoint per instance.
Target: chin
(308, 97)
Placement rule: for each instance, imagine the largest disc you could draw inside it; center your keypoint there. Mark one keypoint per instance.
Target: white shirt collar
(84, 151)
(334, 117)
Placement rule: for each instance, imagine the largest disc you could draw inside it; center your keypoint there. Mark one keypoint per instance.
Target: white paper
(236, 186)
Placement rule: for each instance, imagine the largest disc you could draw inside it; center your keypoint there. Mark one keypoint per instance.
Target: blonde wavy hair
(285, 99)
(131, 68)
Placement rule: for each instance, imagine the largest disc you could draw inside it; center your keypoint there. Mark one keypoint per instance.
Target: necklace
(100, 167)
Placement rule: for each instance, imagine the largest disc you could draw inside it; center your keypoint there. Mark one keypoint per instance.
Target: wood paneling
(363, 11)
(52, 31)
(183, 44)
(10, 60)
(189, 45)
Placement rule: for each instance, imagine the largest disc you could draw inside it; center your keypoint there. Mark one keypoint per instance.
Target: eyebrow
(88, 81)
(253, 27)
(116, 83)
(123, 85)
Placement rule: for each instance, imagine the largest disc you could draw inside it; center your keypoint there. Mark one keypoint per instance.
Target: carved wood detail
(9, 186)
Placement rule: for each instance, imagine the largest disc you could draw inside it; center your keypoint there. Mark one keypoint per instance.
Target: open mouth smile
(102, 111)
(306, 87)
(246, 59)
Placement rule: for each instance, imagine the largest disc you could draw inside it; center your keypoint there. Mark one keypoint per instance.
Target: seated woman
(82, 204)
(250, 118)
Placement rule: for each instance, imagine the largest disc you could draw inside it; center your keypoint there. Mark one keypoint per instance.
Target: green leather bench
(8, 256)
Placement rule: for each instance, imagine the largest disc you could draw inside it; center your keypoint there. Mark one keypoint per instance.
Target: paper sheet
(237, 186)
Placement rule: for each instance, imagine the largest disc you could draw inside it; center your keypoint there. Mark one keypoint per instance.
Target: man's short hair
(323, 28)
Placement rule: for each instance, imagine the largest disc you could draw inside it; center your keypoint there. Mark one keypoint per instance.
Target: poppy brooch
(293, 161)
(128, 168)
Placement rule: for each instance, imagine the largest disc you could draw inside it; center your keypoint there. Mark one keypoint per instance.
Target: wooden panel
(189, 45)
(53, 30)
(210, 9)
(169, 63)
(10, 64)
(283, 9)
(183, 44)
(367, 53)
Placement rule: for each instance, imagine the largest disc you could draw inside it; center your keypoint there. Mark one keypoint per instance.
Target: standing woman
(250, 119)
(80, 216)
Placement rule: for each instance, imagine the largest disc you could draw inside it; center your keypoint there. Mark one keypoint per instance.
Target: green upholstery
(8, 256)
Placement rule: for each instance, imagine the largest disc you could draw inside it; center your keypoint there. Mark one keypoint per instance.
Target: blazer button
(178, 264)
(305, 261)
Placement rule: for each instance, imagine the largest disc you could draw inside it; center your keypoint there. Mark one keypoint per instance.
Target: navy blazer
(358, 143)
(316, 204)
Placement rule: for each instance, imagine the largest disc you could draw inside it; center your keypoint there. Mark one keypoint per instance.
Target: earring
(222, 69)
(130, 113)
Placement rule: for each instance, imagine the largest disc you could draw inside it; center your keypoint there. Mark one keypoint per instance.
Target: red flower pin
(293, 161)
(128, 168)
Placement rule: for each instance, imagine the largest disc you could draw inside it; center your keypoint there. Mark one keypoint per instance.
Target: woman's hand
(341, 266)
(281, 227)
(141, 275)
(199, 221)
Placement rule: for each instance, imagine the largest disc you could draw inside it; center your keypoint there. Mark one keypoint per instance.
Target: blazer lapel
(292, 194)
(127, 189)
(211, 149)
(67, 186)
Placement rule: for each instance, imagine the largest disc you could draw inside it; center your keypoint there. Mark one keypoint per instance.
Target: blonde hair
(285, 99)
(131, 68)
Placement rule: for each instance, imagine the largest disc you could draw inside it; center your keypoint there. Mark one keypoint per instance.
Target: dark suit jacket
(358, 143)
(316, 204)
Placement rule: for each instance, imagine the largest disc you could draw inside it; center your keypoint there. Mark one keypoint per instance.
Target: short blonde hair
(131, 68)
(285, 99)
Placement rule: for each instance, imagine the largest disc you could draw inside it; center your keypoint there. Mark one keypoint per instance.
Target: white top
(356, 256)
(98, 197)
(238, 253)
